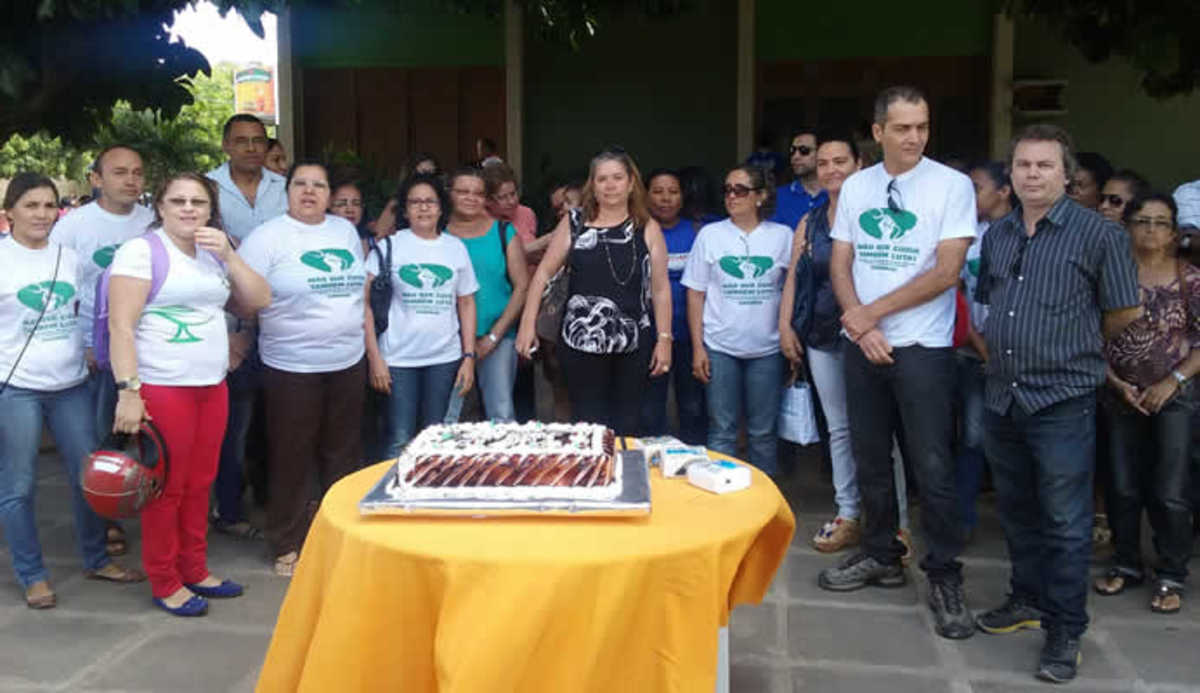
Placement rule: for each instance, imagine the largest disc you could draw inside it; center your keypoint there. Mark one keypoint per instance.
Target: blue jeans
(689, 399)
(970, 460)
(229, 484)
(751, 385)
(1042, 464)
(419, 398)
(495, 376)
(914, 396)
(102, 390)
(70, 416)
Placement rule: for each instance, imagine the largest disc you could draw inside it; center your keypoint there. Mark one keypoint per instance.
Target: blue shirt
(679, 238)
(793, 202)
(239, 216)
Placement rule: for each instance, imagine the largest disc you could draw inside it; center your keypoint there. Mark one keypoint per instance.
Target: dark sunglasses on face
(1114, 200)
(801, 149)
(738, 190)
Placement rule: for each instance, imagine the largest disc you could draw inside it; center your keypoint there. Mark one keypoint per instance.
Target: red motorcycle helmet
(128, 471)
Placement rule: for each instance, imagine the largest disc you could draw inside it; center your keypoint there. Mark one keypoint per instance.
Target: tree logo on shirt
(328, 259)
(48, 296)
(886, 223)
(425, 275)
(103, 257)
(182, 317)
(746, 266)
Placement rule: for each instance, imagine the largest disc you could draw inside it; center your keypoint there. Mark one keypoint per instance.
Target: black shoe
(1060, 658)
(949, 605)
(858, 571)
(1011, 616)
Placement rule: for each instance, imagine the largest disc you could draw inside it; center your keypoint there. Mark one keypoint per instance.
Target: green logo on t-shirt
(893, 224)
(425, 275)
(103, 257)
(328, 259)
(46, 295)
(746, 266)
(179, 317)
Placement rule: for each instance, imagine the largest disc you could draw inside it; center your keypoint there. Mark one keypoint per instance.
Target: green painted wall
(791, 30)
(664, 89)
(1109, 113)
(417, 36)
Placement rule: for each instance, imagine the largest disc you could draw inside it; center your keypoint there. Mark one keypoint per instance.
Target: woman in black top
(616, 328)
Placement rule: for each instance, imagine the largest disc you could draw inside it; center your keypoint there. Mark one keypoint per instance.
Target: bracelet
(492, 336)
(667, 336)
(1179, 378)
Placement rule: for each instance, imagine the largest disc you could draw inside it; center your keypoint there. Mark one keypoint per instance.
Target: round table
(554, 604)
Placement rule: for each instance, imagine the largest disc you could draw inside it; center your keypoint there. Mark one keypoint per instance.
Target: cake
(508, 461)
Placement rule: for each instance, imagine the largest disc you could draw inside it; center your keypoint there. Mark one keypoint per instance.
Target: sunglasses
(895, 200)
(801, 149)
(1016, 266)
(738, 190)
(1114, 200)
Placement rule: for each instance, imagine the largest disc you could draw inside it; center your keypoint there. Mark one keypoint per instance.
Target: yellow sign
(254, 92)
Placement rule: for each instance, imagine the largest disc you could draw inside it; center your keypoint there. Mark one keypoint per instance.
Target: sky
(224, 40)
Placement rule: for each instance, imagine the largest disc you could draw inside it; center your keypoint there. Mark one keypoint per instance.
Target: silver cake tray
(634, 499)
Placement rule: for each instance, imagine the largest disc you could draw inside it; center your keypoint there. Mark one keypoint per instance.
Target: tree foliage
(1157, 37)
(46, 155)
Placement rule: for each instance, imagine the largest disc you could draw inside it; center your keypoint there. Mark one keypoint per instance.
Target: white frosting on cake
(474, 439)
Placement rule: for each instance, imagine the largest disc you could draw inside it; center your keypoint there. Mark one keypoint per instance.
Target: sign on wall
(254, 92)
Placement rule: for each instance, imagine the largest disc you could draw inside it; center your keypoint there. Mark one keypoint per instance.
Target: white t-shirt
(742, 276)
(180, 338)
(315, 321)
(95, 235)
(54, 359)
(891, 248)
(428, 276)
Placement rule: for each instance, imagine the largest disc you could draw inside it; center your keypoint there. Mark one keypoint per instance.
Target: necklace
(626, 225)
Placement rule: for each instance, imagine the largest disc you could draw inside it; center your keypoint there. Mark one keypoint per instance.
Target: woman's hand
(214, 241)
(466, 377)
(1128, 391)
(130, 413)
(1158, 395)
(484, 346)
(379, 375)
(660, 360)
(790, 345)
(701, 367)
(527, 341)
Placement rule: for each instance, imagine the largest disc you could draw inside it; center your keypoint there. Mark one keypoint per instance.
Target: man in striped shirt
(1058, 279)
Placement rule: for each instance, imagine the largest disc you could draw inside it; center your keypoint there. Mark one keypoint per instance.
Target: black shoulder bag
(804, 303)
(381, 288)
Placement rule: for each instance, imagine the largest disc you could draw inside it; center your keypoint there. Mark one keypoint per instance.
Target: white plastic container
(719, 476)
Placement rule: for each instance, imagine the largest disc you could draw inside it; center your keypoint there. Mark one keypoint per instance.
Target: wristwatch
(131, 384)
(469, 355)
(1179, 377)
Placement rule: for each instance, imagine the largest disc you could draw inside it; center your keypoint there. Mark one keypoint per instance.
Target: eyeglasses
(422, 202)
(1016, 266)
(186, 201)
(895, 199)
(1114, 200)
(1159, 224)
(346, 204)
(801, 149)
(738, 190)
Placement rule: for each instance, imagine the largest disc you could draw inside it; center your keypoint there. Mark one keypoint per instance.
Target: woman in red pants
(170, 353)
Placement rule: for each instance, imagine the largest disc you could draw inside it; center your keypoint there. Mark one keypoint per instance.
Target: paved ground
(109, 638)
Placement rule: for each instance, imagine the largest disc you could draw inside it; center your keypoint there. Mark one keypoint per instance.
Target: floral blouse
(1154, 344)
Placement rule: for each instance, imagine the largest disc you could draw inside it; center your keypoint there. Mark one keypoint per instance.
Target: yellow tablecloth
(491, 605)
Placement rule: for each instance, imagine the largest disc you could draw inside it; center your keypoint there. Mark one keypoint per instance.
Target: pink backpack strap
(160, 262)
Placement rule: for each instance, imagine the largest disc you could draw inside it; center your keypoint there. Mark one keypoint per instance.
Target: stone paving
(109, 638)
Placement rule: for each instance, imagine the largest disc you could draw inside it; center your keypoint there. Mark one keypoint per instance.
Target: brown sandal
(43, 601)
(1115, 582)
(120, 574)
(1166, 593)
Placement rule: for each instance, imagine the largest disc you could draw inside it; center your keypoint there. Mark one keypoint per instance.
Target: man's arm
(840, 264)
(1115, 321)
(924, 287)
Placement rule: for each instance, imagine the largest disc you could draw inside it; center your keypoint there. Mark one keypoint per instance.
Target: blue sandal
(196, 606)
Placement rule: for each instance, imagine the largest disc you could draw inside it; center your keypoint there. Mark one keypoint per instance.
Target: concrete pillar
(514, 85)
(1002, 86)
(287, 81)
(746, 76)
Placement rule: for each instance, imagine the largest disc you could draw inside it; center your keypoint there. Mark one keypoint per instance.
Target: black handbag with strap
(381, 287)
(804, 304)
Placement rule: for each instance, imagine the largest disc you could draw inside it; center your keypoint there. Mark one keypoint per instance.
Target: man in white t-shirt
(901, 232)
(249, 194)
(94, 232)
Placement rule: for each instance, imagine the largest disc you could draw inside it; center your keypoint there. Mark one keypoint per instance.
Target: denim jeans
(971, 460)
(230, 482)
(102, 390)
(420, 396)
(914, 393)
(689, 399)
(1148, 469)
(495, 376)
(1042, 464)
(70, 416)
(754, 386)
